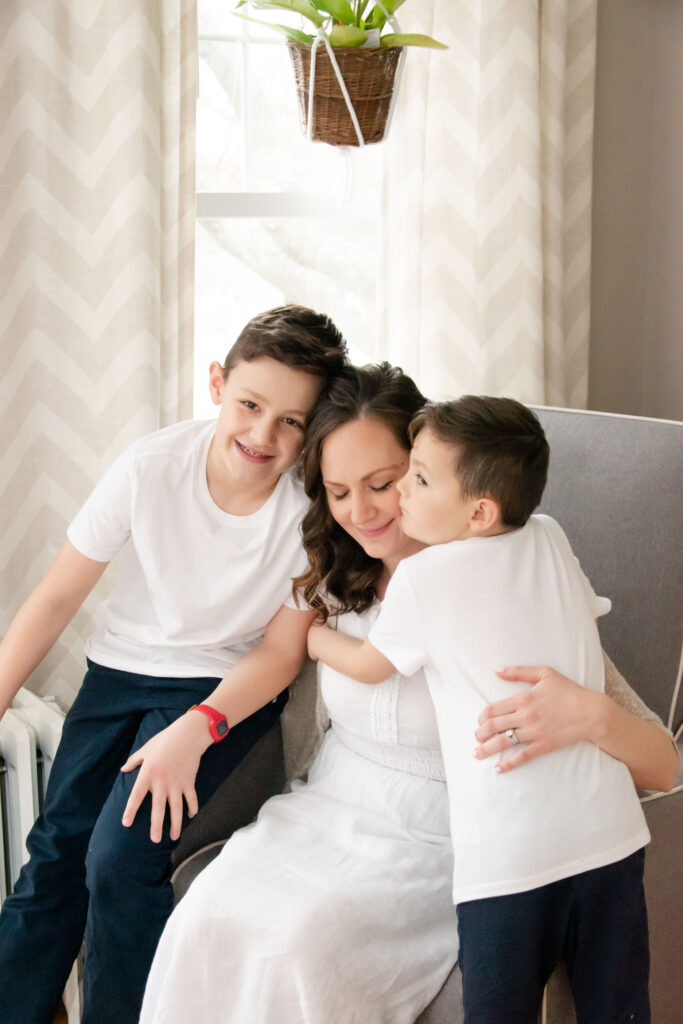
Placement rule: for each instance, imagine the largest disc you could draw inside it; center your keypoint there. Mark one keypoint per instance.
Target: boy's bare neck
(497, 529)
(239, 501)
(234, 497)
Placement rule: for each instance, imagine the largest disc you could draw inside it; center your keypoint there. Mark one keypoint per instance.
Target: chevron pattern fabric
(96, 264)
(485, 266)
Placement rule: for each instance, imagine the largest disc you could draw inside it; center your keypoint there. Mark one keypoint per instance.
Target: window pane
(219, 134)
(249, 140)
(246, 265)
(248, 132)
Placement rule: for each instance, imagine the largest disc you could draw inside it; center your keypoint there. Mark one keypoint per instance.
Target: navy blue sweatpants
(87, 873)
(596, 921)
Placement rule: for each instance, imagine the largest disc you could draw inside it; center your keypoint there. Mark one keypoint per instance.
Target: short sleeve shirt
(463, 609)
(195, 586)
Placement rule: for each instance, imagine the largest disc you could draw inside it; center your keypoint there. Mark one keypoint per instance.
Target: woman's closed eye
(377, 489)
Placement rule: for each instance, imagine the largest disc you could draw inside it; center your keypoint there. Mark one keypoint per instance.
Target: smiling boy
(206, 516)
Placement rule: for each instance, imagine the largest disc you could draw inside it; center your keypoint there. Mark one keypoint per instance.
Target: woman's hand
(555, 712)
(168, 768)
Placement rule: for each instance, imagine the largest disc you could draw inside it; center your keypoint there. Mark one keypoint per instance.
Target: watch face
(222, 727)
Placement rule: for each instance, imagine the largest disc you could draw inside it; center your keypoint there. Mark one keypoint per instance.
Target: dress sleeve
(397, 633)
(103, 524)
(622, 694)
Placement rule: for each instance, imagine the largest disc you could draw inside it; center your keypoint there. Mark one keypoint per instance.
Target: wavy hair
(341, 577)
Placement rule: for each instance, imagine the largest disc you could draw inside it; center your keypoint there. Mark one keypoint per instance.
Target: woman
(334, 907)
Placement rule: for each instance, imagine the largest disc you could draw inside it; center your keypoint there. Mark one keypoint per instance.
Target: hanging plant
(349, 64)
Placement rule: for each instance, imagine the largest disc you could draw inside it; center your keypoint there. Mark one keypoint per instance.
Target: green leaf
(285, 30)
(347, 35)
(378, 18)
(303, 7)
(411, 39)
(340, 10)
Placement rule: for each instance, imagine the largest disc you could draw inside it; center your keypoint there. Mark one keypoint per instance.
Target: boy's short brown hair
(294, 335)
(499, 447)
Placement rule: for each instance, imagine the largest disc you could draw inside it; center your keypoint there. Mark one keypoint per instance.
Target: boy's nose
(402, 486)
(263, 432)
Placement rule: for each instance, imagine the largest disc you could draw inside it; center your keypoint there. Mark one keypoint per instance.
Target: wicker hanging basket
(369, 78)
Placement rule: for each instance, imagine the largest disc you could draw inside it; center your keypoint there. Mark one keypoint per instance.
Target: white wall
(636, 362)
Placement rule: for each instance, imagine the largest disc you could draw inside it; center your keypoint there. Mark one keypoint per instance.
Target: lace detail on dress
(424, 763)
(384, 710)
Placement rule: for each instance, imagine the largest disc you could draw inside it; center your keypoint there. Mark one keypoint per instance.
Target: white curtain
(97, 103)
(485, 271)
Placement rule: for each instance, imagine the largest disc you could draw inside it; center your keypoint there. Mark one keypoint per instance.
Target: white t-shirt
(462, 610)
(197, 585)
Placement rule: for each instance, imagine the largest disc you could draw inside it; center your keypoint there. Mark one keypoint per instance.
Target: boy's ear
(216, 382)
(485, 515)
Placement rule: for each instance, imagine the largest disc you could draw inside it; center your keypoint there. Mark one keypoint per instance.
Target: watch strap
(218, 723)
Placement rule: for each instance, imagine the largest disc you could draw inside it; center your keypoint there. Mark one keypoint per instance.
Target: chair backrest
(616, 487)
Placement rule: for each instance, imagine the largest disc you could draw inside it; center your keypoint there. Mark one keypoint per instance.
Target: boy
(200, 618)
(548, 864)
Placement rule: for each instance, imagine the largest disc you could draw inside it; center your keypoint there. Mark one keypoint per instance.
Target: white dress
(334, 906)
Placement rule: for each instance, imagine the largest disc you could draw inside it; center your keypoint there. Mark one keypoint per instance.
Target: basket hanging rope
(369, 77)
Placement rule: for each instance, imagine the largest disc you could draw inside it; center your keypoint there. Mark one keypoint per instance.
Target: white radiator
(29, 735)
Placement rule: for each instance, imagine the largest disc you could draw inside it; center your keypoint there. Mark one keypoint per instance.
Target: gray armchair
(616, 486)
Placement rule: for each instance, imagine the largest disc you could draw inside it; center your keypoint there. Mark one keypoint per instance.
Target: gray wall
(636, 360)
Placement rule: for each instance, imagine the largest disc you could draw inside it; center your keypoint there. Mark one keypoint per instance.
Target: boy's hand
(168, 768)
(316, 640)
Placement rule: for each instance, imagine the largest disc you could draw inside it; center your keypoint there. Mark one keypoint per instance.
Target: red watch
(218, 723)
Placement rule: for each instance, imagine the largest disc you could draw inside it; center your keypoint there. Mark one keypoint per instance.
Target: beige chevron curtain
(97, 104)
(486, 250)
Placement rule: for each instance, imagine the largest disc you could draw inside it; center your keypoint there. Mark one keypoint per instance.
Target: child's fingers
(134, 761)
(191, 801)
(157, 816)
(137, 795)
(175, 804)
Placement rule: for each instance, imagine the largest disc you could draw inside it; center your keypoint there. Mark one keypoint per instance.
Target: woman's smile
(376, 531)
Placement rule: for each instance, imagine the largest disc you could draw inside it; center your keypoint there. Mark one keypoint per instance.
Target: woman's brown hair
(340, 576)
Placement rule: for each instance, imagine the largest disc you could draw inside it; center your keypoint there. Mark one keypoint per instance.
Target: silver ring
(512, 735)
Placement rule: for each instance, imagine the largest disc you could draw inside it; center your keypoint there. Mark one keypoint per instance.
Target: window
(279, 218)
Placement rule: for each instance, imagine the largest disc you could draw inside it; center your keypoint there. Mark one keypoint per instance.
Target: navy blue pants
(87, 873)
(596, 921)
